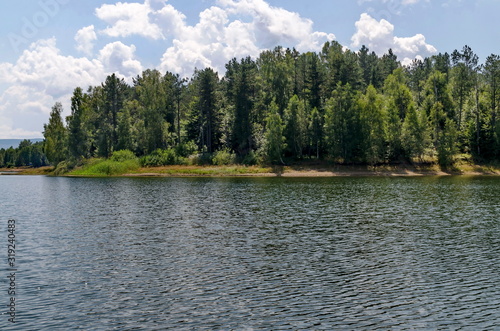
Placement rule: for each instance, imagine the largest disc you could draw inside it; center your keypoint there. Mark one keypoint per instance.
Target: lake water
(253, 253)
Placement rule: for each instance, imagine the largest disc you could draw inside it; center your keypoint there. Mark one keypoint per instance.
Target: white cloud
(238, 29)
(394, 2)
(85, 38)
(220, 34)
(43, 76)
(119, 58)
(378, 36)
(128, 19)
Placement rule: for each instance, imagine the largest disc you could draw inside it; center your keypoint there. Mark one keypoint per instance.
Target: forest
(283, 107)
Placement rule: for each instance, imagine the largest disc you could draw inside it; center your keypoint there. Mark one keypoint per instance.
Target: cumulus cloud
(238, 29)
(394, 2)
(378, 36)
(85, 38)
(43, 76)
(230, 28)
(126, 19)
(119, 58)
(220, 34)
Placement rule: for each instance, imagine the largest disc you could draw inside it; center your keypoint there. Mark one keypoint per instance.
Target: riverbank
(306, 170)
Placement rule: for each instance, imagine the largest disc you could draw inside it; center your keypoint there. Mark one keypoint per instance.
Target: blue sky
(48, 47)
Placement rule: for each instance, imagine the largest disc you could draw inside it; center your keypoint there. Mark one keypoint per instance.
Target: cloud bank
(379, 36)
(231, 28)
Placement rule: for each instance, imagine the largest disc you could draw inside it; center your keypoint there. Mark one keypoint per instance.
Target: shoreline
(298, 171)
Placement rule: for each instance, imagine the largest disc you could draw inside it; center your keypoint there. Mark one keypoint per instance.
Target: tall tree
(114, 93)
(240, 81)
(77, 133)
(343, 132)
(398, 100)
(374, 123)
(55, 135)
(152, 98)
(464, 70)
(415, 133)
(295, 127)
(274, 135)
(492, 76)
(205, 128)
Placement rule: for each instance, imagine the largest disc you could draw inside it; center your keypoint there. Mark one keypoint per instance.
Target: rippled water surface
(253, 253)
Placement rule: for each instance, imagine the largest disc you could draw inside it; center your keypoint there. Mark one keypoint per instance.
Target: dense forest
(337, 105)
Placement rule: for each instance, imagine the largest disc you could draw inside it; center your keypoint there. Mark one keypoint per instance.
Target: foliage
(336, 104)
(447, 145)
(224, 157)
(162, 157)
(275, 139)
(123, 155)
(55, 136)
(103, 167)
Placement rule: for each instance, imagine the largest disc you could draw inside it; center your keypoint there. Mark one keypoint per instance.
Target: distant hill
(7, 143)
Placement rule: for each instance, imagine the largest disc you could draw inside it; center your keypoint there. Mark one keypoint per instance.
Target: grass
(28, 171)
(177, 170)
(102, 168)
(131, 167)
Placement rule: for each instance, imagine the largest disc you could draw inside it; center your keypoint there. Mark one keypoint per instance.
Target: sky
(49, 47)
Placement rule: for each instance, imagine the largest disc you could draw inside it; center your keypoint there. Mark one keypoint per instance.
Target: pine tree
(55, 134)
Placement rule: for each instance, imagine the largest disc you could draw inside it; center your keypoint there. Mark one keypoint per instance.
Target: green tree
(24, 153)
(398, 100)
(341, 66)
(447, 144)
(10, 157)
(152, 100)
(77, 133)
(415, 133)
(368, 64)
(464, 70)
(316, 133)
(114, 95)
(55, 134)
(295, 127)
(125, 137)
(344, 135)
(205, 126)
(274, 136)
(492, 77)
(373, 122)
(240, 81)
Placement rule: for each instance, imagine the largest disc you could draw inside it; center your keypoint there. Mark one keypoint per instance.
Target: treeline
(340, 105)
(26, 154)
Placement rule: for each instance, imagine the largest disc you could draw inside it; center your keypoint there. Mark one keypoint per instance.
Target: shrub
(223, 157)
(162, 157)
(62, 168)
(251, 159)
(186, 149)
(100, 167)
(123, 155)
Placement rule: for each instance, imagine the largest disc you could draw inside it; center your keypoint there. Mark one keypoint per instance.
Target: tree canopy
(349, 107)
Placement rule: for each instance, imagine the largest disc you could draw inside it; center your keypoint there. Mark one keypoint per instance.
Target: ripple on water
(253, 253)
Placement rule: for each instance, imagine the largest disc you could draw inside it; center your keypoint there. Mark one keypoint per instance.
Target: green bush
(123, 155)
(200, 159)
(100, 167)
(162, 157)
(223, 157)
(186, 149)
(251, 159)
(62, 168)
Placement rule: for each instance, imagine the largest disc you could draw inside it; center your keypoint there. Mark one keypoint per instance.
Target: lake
(252, 253)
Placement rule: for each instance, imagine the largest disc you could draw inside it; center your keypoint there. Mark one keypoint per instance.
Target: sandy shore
(292, 171)
(334, 171)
